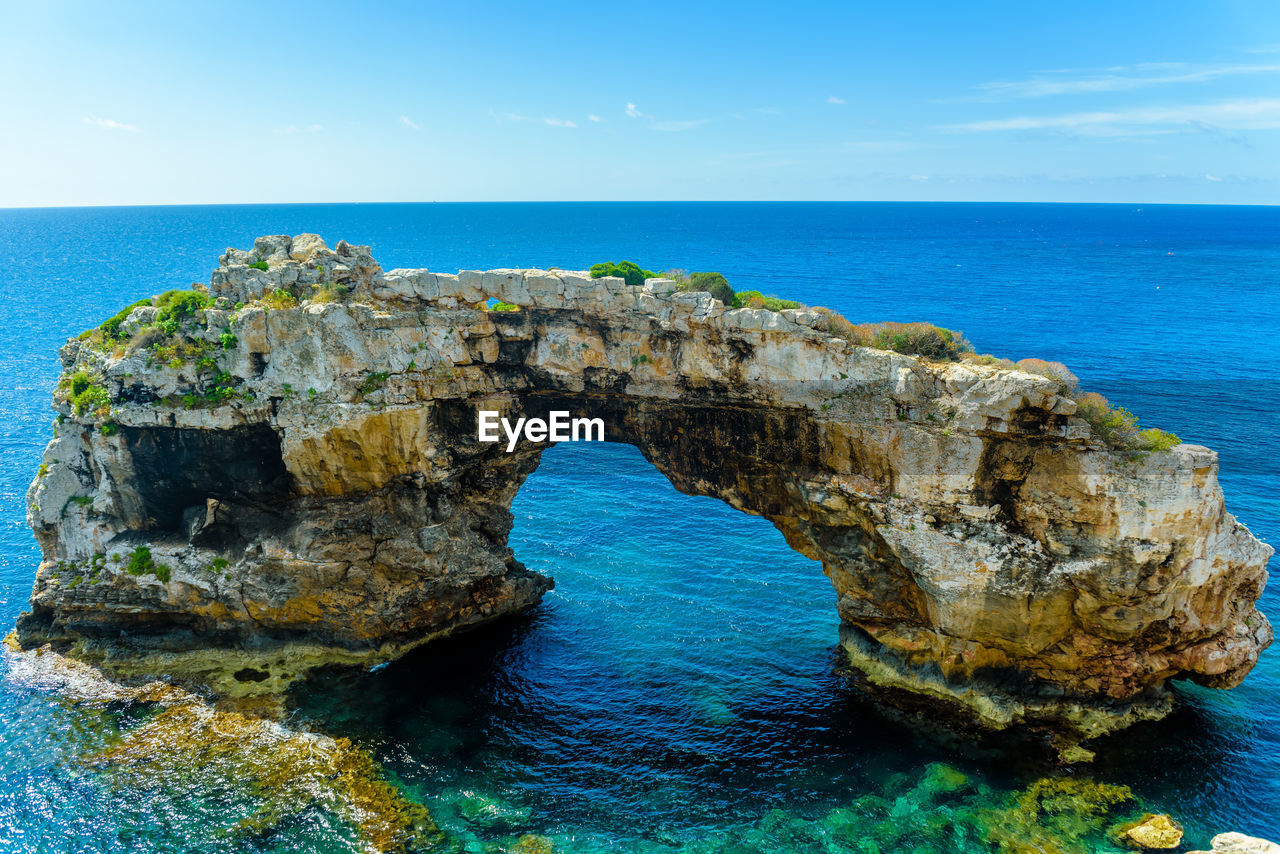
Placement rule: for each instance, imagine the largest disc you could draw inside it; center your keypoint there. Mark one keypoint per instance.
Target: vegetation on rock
(373, 381)
(111, 326)
(628, 271)
(713, 283)
(755, 299)
(1116, 426)
(86, 394)
(140, 563)
(279, 298)
(177, 306)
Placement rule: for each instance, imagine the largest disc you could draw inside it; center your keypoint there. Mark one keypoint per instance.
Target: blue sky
(137, 103)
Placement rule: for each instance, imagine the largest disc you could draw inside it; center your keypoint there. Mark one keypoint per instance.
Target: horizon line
(639, 201)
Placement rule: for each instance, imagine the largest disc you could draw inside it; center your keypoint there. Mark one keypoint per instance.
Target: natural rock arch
(306, 487)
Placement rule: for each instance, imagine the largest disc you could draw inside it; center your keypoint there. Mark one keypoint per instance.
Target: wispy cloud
(1225, 135)
(634, 112)
(518, 117)
(1116, 79)
(109, 124)
(1214, 178)
(409, 123)
(593, 117)
(835, 99)
(1251, 114)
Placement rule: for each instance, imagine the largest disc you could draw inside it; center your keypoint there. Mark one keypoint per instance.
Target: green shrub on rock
(140, 563)
(111, 326)
(279, 298)
(1157, 440)
(176, 306)
(920, 339)
(713, 283)
(628, 271)
(755, 299)
(373, 381)
(1068, 383)
(1114, 425)
(86, 394)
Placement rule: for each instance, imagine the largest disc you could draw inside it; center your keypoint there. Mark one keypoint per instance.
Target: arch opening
(680, 677)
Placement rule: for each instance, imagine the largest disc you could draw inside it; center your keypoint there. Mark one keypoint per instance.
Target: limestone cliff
(291, 477)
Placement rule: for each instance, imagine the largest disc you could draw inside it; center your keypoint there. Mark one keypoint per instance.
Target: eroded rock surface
(302, 465)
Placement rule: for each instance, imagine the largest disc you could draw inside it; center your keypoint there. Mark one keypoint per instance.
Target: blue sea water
(678, 686)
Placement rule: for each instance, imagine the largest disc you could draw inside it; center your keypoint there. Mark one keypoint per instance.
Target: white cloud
(560, 123)
(834, 99)
(1117, 79)
(635, 113)
(1213, 178)
(109, 124)
(1254, 114)
(593, 117)
(409, 123)
(920, 178)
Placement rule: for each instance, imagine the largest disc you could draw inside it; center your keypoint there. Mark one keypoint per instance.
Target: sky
(192, 103)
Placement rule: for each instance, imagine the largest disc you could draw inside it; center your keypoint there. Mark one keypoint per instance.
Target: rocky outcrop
(292, 477)
(1238, 843)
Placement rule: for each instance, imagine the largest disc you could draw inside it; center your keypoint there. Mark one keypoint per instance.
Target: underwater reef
(281, 471)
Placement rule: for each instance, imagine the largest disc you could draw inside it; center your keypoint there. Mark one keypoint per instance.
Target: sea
(679, 690)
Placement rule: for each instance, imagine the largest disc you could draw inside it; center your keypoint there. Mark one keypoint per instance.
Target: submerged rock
(237, 495)
(264, 773)
(942, 779)
(1063, 815)
(532, 844)
(1151, 833)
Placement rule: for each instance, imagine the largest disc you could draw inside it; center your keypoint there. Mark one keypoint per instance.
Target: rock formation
(291, 477)
(1238, 843)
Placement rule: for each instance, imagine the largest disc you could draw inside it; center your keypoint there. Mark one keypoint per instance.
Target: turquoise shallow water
(676, 691)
